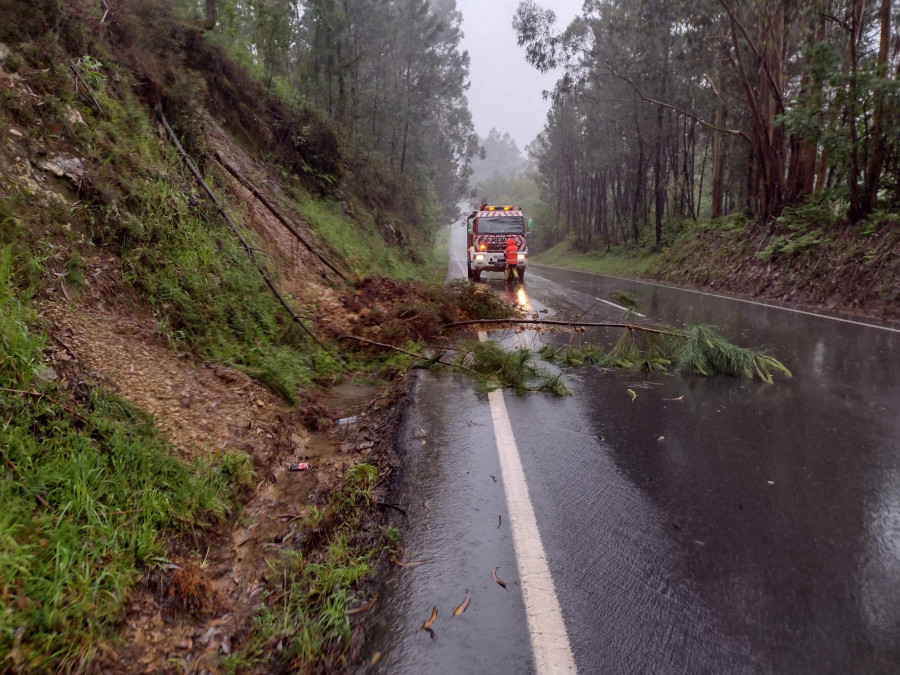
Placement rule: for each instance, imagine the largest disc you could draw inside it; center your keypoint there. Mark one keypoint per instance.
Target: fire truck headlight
(522, 256)
(479, 257)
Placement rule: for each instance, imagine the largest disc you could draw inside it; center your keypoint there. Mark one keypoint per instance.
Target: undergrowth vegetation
(206, 292)
(360, 243)
(617, 262)
(305, 621)
(88, 489)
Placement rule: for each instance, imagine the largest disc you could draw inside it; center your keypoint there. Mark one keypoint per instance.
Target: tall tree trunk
(212, 14)
(857, 204)
(764, 102)
(804, 149)
(876, 156)
(637, 207)
(718, 159)
(696, 210)
(659, 183)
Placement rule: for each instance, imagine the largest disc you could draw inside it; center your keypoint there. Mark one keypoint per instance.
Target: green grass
(208, 295)
(185, 262)
(440, 253)
(619, 263)
(314, 587)
(88, 489)
(359, 244)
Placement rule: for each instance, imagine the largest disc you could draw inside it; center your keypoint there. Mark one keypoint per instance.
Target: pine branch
(400, 350)
(572, 324)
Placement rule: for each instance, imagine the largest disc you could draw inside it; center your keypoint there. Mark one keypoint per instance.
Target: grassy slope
(807, 257)
(90, 489)
(617, 263)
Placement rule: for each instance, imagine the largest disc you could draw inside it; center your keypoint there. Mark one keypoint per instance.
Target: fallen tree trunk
(571, 324)
(265, 202)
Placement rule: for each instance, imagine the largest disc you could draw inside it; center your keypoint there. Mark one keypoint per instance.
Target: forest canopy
(390, 73)
(673, 111)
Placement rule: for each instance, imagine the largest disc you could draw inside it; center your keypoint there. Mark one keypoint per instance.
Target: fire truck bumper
(493, 262)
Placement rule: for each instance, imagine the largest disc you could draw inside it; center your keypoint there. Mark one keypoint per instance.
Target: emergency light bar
(501, 208)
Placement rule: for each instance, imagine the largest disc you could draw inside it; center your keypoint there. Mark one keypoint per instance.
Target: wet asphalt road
(742, 528)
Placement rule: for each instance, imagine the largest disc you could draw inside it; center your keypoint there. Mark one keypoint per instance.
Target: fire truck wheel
(521, 271)
(476, 276)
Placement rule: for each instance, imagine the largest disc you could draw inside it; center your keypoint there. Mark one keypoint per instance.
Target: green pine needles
(695, 350)
(516, 369)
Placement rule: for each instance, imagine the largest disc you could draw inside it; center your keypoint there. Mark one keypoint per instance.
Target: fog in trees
(389, 73)
(674, 111)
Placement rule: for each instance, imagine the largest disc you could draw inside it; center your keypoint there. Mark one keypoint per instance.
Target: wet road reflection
(778, 504)
(707, 525)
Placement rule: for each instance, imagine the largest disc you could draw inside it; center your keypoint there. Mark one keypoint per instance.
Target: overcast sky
(506, 91)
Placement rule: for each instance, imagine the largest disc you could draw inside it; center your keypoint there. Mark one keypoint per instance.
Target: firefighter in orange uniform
(512, 259)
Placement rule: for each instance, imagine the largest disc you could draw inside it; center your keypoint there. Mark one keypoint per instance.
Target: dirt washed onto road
(189, 612)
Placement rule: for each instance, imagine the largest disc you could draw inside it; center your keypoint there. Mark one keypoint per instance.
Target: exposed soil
(185, 615)
(302, 272)
(851, 274)
(203, 408)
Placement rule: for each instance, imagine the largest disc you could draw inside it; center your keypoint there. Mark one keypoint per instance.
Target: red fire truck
(488, 229)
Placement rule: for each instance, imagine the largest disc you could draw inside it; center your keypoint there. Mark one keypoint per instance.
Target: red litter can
(302, 466)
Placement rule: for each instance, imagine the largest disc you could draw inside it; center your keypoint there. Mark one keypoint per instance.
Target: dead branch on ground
(234, 228)
(265, 202)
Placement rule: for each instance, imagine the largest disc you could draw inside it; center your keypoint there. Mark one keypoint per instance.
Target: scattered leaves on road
(632, 393)
(465, 604)
(674, 399)
(365, 608)
(496, 578)
(427, 624)
(411, 563)
(426, 507)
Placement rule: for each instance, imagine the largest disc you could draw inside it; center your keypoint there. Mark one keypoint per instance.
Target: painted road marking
(726, 297)
(546, 628)
(624, 309)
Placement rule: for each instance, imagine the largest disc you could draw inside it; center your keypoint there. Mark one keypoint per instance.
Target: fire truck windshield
(501, 225)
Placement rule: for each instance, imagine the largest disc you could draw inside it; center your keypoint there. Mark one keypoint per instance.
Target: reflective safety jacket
(512, 252)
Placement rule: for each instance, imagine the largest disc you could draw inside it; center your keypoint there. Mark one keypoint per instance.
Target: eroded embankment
(855, 270)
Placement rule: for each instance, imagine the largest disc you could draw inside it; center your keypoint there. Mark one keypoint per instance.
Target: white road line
(546, 628)
(728, 297)
(624, 309)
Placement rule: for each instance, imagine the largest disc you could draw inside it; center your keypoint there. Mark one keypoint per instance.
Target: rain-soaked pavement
(708, 525)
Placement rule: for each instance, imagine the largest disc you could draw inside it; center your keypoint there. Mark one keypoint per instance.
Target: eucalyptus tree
(761, 103)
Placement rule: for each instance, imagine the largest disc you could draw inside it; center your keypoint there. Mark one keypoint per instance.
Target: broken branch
(552, 322)
(234, 228)
(39, 395)
(265, 202)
